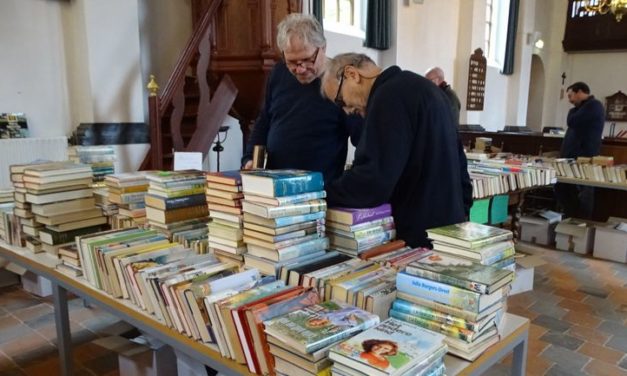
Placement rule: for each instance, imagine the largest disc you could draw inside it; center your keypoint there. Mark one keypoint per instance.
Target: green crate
(498, 209)
(480, 210)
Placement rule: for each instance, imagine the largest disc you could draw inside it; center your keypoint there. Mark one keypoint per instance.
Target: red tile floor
(578, 313)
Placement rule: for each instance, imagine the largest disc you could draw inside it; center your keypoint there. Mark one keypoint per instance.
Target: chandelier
(617, 7)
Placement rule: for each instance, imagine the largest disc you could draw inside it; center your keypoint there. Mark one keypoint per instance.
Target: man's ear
(352, 73)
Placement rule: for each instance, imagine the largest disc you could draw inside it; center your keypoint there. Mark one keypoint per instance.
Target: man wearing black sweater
(299, 128)
(409, 154)
(583, 139)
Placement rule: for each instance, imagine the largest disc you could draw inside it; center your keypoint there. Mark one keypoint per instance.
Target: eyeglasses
(305, 63)
(339, 101)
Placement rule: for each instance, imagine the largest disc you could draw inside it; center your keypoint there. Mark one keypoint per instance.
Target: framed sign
(616, 107)
(476, 81)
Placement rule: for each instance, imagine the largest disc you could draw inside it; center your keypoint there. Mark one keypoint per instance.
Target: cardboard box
(610, 243)
(539, 228)
(36, 285)
(141, 356)
(574, 235)
(525, 270)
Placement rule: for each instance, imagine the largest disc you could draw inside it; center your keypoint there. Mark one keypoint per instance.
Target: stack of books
(479, 243)
(6, 195)
(300, 340)
(463, 300)
(176, 203)
(6, 220)
(100, 158)
(284, 213)
(599, 168)
(127, 192)
(70, 261)
(62, 203)
(394, 254)
(353, 231)
(498, 176)
(392, 348)
(224, 199)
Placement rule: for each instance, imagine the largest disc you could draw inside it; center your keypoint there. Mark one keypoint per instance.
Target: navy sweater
(300, 128)
(410, 156)
(585, 129)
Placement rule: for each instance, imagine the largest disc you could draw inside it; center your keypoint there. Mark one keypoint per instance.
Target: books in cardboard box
(317, 326)
(391, 348)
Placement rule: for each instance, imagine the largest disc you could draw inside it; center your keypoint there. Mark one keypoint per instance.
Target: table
(514, 336)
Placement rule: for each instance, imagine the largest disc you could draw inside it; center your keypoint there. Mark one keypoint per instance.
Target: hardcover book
(320, 325)
(225, 177)
(388, 349)
(279, 183)
(469, 234)
(355, 216)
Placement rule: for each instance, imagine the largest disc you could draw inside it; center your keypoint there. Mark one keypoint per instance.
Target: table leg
(520, 356)
(62, 321)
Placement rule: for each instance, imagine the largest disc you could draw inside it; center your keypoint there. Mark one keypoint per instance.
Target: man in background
(436, 75)
(583, 136)
(408, 154)
(298, 127)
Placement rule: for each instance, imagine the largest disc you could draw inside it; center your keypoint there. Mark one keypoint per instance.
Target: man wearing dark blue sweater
(299, 128)
(409, 154)
(583, 139)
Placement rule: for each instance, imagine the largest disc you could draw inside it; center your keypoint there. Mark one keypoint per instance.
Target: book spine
(309, 196)
(367, 215)
(312, 206)
(504, 263)
(295, 185)
(303, 248)
(439, 292)
(447, 279)
(341, 335)
(375, 222)
(68, 236)
(177, 193)
(376, 239)
(183, 202)
(129, 198)
(498, 256)
(286, 221)
(433, 315)
(449, 331)
(368, 232)
(487, 241)
(186, 213)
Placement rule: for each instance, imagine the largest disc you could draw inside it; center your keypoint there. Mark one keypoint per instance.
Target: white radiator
(27, 150)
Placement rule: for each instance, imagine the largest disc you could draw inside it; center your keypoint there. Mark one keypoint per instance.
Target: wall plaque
(476, 81)
(616, 107)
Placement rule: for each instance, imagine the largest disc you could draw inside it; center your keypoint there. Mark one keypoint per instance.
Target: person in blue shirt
(583, 137)
(298, 127)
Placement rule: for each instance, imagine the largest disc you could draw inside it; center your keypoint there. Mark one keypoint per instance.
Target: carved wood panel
(476, 81)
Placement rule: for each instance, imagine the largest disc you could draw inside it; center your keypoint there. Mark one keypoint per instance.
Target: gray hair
(335, 66)
(304, 26)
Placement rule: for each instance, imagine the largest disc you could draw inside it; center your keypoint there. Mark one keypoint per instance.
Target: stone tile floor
(578, 313)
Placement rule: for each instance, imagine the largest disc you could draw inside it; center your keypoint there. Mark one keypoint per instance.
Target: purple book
(355, 216)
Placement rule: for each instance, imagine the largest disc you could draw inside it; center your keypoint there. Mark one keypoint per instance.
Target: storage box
(480, 211)
(36, 285)
(525, 270)
(574, 235)
(610, 243)
(142, 356)
(498, 209)
(539, 227)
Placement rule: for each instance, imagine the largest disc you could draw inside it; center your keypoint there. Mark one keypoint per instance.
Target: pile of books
(7, 220)
(392, 348)
(100, 158)
(284, 212)
(127, 192)
(394, 254)
(70, 261)
(61, 205)
(300, 340)
(478, 243)
(599, 168)
(224, 199)
(497, 176)
(176, 205)
(353, 231)
(452, 295)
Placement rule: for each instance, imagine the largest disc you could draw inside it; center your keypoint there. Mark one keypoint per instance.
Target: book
(355, 216)
(486, 255)
(460, 272)
(469, 235)
(232, 178)
(176, 215)
(163, 203)
(388, 349)
(55, 237)
(283, 221)
(285, 200)
(382, 249)
(279, 183)
(259, 157)
(314, 327)
(270, 211)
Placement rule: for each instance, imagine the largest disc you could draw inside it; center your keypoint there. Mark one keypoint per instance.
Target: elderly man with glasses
(299, 128)
(409, 154)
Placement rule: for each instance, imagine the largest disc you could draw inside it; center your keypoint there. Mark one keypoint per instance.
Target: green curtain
(510, 44)
(378, 25)
(317, 10)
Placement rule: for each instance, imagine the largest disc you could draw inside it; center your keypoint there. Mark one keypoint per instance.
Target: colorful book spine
(181, 202)
(504, 263)
(303, 248)
(302, 208)
(492, 259)
(294, 185)
(439, 292)
(479, 287)
(448, 330)
(433, 315)
(288, 200)
(362, 215)
(286, 221)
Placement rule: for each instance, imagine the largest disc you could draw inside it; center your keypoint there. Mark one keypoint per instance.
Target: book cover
(279, 183)
(388, 349)
(355, 216)
(319, 325)
(233, 177)
(404, 306)
(469, 234)
(460, 272)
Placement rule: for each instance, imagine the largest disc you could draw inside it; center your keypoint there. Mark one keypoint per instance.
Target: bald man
(436, 75)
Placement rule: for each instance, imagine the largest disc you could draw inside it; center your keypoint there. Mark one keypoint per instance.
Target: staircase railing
(212, 110)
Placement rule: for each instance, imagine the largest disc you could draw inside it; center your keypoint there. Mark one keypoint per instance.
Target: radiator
(27, 150)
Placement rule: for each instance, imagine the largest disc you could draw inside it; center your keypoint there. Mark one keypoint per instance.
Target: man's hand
(248, 165)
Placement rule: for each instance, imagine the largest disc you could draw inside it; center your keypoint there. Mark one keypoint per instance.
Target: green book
(469, 235)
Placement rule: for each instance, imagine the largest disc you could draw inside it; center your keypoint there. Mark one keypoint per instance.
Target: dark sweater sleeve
(354, 126)
(465, 178)
(380, 158)
(586, 116)
(259, 134)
